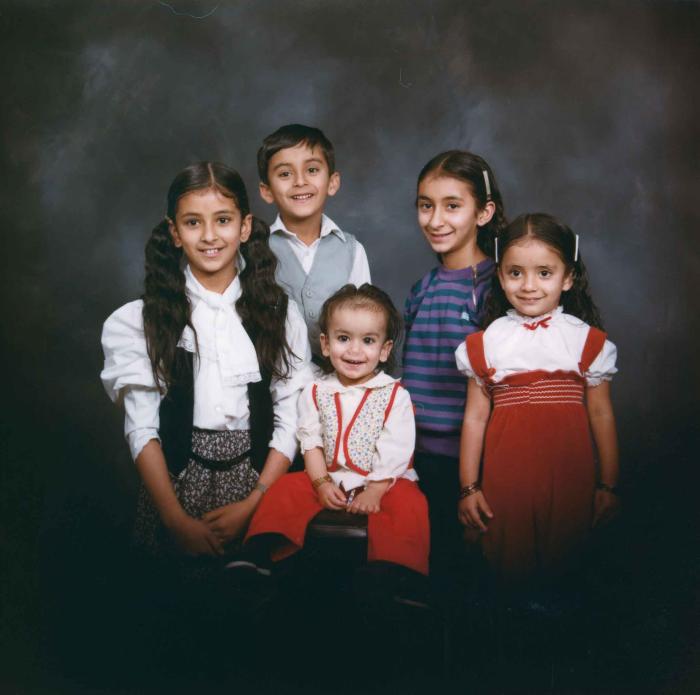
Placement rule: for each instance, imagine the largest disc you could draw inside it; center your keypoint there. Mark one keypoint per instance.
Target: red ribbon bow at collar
(542, 322)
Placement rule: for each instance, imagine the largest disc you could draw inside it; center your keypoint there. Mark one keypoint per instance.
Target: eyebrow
(218, 212)
(448, 197)
(313, 160)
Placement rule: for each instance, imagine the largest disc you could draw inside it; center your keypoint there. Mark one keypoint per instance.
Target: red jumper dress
(538, 466)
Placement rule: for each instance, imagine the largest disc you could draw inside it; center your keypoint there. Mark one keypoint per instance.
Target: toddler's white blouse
(510, 347)
(226, 364)
(394, 447)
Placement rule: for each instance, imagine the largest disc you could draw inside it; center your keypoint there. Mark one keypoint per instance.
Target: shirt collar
(198, 292)
(520, 319)
(327, 227)
(380, 379)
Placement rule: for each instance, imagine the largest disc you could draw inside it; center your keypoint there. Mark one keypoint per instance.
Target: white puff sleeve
(127, 375)
(463, 363)
(603, 366)
(285, 392)
(309, 428)
(396, 441)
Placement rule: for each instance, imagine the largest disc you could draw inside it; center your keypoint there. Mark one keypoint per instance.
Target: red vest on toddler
(359, 442)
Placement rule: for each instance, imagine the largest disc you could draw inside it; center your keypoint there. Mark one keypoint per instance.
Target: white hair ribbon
(576, 249)
(495, 243)
(487, 184)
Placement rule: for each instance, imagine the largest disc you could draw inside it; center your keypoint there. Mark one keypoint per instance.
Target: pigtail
(263, 303)
(496, 303)
(486, 235)
(578, 301)
(166, 309)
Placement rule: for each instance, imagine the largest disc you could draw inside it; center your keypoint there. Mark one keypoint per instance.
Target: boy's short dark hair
(291, 136)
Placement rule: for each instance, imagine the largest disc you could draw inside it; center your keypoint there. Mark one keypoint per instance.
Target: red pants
(399, 532)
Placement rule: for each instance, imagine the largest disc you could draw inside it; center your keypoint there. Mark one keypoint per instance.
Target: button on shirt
(359, 274)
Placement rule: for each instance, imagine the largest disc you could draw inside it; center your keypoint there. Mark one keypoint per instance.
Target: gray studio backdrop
(583, 110)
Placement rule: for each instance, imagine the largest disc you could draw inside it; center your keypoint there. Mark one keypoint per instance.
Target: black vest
(177, 415)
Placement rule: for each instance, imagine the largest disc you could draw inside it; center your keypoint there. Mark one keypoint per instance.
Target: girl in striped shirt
(460, 211)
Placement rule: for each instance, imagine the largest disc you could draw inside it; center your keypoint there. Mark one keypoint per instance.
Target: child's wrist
(469, 490)
(321, 480)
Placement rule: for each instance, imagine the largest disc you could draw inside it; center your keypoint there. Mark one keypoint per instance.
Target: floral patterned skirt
(218, 472)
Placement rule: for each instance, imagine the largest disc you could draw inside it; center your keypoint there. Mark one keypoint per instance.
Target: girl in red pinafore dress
(539, 386)
(357, 434)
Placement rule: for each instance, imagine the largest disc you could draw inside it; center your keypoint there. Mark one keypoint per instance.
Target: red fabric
(390, 405)
(538, 471)
(399, 533)
(358, 410)
(593, 345)
(477, 359)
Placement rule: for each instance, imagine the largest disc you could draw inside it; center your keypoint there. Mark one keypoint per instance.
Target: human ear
(174, 234)
(325, 345)
(486, 213)
(568, 281)
(334, 183)
(246, 228)
(386, 350)
(266, 193)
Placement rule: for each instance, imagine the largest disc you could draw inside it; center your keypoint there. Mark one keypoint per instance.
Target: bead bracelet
(470, 489)
(319, 481)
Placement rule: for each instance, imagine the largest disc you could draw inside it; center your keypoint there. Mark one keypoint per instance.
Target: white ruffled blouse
(226, 364)
(394, 447)
(556, 343)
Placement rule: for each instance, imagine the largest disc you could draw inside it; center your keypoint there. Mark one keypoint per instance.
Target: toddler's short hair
(365, 296)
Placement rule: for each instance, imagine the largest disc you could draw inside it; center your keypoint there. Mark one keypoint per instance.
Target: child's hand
(230, 521)
(194, 537)
(606, 506)
(331, 496)
(472, 510)
(367, 502)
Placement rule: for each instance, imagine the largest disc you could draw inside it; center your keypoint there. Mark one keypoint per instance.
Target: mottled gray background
(584, 109)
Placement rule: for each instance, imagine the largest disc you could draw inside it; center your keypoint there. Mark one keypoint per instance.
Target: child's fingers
(215, 544)
(211, 516)
(484, 506)
(476, 520)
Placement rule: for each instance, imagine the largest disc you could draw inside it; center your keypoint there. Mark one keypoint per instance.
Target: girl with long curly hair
(208, 365)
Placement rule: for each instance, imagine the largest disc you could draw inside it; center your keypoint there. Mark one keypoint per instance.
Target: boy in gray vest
(296, 164)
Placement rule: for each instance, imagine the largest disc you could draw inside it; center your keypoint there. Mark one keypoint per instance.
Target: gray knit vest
(330, 271)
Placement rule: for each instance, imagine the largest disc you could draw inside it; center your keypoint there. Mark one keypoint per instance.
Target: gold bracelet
(470, 489)
(319, 481)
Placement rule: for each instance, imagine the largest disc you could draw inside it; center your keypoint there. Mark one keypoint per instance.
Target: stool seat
(329, 523)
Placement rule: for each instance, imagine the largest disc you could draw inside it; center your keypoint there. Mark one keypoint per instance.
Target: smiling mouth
(439, 235)
(211, 253)
(303, 196)
(353, 363)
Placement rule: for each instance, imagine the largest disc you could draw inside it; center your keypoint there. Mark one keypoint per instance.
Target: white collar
(520, 319)
(220, 337)
(332, 383)
(327, 227)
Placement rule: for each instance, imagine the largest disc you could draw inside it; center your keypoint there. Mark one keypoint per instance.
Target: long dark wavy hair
(262, 305)
(468, 167)
(576, 301)
(370, 297)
